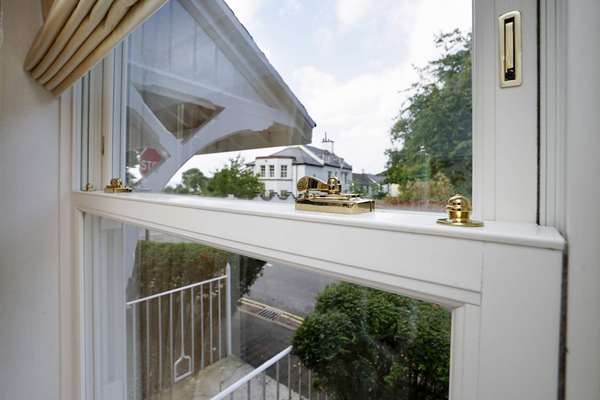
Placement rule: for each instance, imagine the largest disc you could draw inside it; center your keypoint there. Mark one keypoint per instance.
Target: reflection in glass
(173, 319)
(388, 85)
(198, 84)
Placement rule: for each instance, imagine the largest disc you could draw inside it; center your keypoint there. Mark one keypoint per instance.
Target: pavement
(220, 375)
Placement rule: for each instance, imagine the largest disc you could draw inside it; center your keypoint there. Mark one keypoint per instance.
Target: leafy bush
(437, 189)
(235, 179)
(367, 344)
(161, 266)
(193, 181)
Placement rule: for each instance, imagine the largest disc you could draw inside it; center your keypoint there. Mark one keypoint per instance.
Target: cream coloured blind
(78, 33)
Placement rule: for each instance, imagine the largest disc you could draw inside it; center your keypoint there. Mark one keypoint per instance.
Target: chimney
(327, 140)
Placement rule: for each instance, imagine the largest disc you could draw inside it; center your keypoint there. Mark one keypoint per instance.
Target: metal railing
(243, 386)
(179, 332)
(186, 309)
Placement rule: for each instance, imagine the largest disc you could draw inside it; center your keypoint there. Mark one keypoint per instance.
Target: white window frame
(284, 171)
(271, 171)
(502, 282)
(499, 281)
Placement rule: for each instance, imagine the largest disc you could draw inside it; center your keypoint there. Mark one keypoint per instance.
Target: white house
(281, 170)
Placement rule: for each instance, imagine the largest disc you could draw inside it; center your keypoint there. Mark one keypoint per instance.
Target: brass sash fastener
(316, 195)
(116, 186)
(459, 213)
(88, 187)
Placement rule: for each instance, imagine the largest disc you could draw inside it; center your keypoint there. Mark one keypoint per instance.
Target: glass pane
(173, 319)
(222, 99)
(82, 118)
(89, 140)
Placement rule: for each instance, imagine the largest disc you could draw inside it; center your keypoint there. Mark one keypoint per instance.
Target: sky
(349, 62)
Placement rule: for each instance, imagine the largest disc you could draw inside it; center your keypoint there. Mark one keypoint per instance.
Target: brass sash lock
(459, 213)
(316, 195)
(116, 186)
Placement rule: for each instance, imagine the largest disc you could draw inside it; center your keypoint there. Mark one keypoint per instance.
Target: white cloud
(288, 7)
(245, 10)
(431, 18)
(350, 12)
(391, 15)
(357, 113)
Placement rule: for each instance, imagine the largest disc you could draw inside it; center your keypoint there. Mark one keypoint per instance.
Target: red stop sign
(149, 159)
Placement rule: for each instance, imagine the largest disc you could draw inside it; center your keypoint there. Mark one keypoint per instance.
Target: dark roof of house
(329, 158)
(367, 179)
(303, 157)
(300, 156)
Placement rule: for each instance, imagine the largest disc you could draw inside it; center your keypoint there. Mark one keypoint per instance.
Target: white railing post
(228, 306)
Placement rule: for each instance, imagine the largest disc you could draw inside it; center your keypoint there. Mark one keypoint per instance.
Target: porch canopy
(254, 108)
(76, 34)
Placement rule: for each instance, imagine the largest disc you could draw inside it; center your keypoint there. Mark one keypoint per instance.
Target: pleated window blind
(76, 34)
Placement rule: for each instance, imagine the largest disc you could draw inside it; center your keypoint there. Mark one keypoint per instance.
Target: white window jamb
(505, 129)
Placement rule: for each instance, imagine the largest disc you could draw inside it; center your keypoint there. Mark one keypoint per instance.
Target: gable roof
(329, 158)
(309, 155)
(367, 179)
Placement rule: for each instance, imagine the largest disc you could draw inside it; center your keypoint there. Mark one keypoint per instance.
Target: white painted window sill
(422, 223)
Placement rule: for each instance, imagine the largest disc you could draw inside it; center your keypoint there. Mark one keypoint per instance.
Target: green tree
(161, 266)
(363, 343)
(432, 132)
(235, 179)
(358, 188)
(178, 189)
(193, 181)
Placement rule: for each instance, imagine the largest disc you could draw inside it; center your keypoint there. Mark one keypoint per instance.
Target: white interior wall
(582, 214)
(29, 134)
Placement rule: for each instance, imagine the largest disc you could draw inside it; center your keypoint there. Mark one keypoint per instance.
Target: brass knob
(459, 212)
(333, 185)
(116, 186)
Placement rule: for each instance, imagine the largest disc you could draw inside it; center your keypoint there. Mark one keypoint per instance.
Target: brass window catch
(88, 187)
(459, 213)
(316, 195)
(116, 186)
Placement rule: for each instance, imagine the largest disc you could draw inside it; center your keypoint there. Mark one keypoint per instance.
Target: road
(291, 289)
